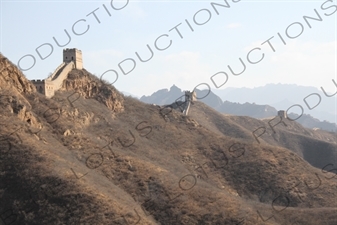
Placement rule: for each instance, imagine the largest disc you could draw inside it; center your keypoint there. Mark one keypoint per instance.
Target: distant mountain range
(282, 96)
(235, 98)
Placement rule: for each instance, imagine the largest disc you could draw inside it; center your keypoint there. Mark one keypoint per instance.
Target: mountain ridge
(90, 155)
(165, 97)
(278, 96)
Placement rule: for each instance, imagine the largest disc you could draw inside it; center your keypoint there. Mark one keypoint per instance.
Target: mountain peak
(174, 88)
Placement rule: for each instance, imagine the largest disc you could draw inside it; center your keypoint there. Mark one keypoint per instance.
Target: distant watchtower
(75, 55)
(282, 114)
(189, 98)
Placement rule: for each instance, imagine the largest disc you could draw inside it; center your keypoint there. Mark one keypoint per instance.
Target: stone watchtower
(72, 59)
(75, 55)
(282, 114)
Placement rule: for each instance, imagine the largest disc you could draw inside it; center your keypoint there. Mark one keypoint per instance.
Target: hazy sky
(119, 29)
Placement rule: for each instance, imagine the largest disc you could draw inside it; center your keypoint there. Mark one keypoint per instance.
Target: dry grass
(91, 165)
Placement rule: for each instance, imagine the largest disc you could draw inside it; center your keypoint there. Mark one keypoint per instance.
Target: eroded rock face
(17, 106)
(13, 88)
(11, 75)
(88, 86)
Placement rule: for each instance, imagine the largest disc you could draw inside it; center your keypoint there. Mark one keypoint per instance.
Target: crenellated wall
(75, 55)
(56, 71)
(49, 89)
(53, 83)
(189, 97)
(72, 58)
(39, 85)
(57, 81)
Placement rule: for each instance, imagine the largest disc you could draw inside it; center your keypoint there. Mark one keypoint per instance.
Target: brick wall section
(72, 58)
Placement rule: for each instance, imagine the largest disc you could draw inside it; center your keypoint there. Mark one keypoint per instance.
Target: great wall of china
(72, 59)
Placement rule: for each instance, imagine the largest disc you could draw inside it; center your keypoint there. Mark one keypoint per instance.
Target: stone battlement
(72, 58)
(37, 81)
(282, 114)
(75, 55)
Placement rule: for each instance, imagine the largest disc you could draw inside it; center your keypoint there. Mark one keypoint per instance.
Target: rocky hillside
(317, 147)
(84, 84)
(90, 155)
(12, 76)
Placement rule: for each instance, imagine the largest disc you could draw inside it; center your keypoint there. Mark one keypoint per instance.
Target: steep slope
(11, 75)
(93, 156)
(317, 147)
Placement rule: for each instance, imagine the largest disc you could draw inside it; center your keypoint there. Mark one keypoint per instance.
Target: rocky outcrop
(88, 86)
(13, 88)
(14, 105)
(10, 75)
